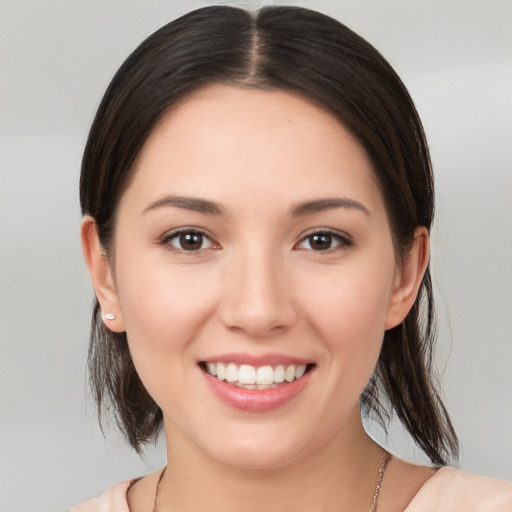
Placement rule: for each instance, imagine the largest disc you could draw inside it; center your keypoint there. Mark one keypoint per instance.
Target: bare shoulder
(401, 484)
(414, 488)
(453, 490)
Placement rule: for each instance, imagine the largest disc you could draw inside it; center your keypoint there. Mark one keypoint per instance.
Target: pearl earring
(110, 316)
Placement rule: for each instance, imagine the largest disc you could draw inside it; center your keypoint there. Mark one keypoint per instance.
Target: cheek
(164, 308)
(348, 314)
(159, 299)
(351, 304)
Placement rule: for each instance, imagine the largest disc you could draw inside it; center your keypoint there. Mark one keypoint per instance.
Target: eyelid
(344, 238)
(174, 233)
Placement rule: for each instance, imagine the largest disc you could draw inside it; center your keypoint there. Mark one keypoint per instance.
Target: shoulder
(112, 500)
(452, 490)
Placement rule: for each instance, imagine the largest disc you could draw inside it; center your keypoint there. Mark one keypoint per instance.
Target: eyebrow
(207, 207)
(319, 205)
(194, 204)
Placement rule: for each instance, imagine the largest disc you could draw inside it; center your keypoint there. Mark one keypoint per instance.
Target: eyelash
(343, 241)
(175, 235)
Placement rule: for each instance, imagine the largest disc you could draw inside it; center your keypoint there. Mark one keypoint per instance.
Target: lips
(256, 384)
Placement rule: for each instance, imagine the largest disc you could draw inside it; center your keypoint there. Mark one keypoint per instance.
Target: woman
(257, 197)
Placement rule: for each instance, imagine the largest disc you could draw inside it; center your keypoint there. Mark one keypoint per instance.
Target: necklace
(155, 504)
(384, 461)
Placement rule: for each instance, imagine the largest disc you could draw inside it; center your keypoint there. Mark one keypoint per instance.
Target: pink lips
(257, 400)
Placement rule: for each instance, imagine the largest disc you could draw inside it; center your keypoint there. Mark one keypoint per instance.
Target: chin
(260, 450)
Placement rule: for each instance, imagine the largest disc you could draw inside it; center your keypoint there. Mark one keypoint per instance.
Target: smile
(256, 383)
(251, 377)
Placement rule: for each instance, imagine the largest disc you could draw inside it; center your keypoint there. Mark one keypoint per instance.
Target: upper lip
(257, 360)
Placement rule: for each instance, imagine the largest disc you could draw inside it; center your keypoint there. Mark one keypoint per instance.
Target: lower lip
(256, 400)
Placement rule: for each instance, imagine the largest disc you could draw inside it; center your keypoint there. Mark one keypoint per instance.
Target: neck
(342, 472)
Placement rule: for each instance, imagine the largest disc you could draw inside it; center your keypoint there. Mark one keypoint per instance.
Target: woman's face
(253, 242)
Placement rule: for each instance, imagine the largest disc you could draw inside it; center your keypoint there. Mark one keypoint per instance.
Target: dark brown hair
(278, 48)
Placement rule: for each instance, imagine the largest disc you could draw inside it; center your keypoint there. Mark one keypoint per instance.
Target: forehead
(230, 141)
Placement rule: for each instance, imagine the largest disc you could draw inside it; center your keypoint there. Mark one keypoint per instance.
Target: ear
(101, 275)
(408, 278)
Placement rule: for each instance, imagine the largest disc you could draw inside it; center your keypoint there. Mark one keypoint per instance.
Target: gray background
(56, 58)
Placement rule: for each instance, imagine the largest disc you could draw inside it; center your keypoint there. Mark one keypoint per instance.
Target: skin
(257, 285)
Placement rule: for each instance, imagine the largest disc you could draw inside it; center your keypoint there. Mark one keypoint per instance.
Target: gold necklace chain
(386, 457)
(155, 503)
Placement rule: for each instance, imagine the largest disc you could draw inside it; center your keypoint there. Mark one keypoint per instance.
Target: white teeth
(247, 374)
(221, 371)
(247, 386)
(250, 377)
(299, 372)
(289, 374)
(278, 373)
(264, 375)
(256, 386)
(231, 372)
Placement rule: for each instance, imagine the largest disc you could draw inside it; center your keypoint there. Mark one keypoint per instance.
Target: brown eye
(323, 241)
(190, 241)
(320, 241)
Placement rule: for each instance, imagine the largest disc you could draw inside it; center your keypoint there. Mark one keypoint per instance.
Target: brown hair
(285, 48)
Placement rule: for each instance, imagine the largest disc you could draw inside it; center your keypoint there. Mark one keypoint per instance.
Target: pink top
(448, 490)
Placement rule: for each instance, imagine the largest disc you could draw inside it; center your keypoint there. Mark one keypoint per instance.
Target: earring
(110, 316)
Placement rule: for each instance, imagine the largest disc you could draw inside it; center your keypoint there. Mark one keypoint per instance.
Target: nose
(257, 299)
